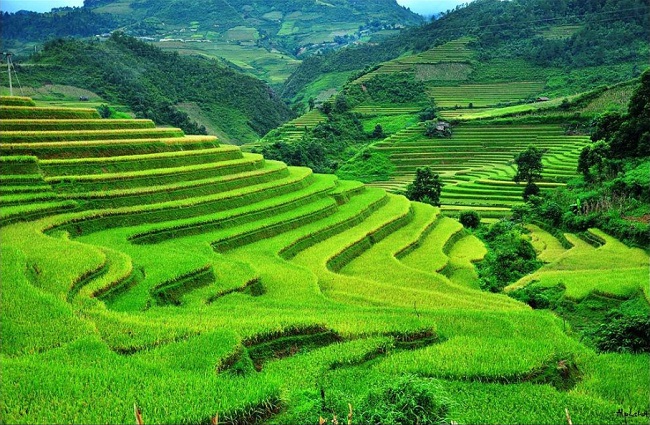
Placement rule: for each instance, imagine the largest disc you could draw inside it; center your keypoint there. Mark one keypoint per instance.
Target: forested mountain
(152, 83)
(565, 34)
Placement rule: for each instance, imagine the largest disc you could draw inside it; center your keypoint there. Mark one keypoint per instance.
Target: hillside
(265, 39)
(161, 86)
(141, 265)
(570, 46)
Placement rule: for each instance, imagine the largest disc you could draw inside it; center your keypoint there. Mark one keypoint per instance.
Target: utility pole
(11, 88)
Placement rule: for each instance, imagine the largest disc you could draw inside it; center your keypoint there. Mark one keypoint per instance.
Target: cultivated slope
(140, 265)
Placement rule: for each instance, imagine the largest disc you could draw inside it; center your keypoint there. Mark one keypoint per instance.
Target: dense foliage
(510, 255)
(124, 70)
(388, 88)
(271, 22)
(529, 169)
(426, 187)
(469, 219)
(622, 332)
(65, 22)
(323, 147)
(614, 193)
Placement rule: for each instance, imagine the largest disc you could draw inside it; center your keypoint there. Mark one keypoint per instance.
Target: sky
(423, 7)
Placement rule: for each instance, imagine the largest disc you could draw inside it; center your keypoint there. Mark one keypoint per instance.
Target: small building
(543, 99)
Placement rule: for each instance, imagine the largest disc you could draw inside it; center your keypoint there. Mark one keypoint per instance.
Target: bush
(407, 400)
(623, 333)
(510, 256)
(538, 297)
(531, 189)
(470, 219)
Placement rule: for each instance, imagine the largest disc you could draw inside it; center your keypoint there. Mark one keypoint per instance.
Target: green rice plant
(127, 163)
(430, 255)
(19, 165)
(527, 403)
(33, 211)
(132, 179)
(613, 269)
(462, 256)
(281, 223)
(16, 101)
(26, 198)
(161, 393)
(94, 220)
(72, 124)
(79, 262)
(619, 378)
(18, 137)
(103, 148)
(236, 216)
(46, 113)
(548, 247)
(50, 322)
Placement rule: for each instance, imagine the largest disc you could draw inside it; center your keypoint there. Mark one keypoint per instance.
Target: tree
(378, 132)
(529, 168)
(429, 113)
(341, 104)
(426, 187)
(104, 111)
(311, 103)
(470, 219)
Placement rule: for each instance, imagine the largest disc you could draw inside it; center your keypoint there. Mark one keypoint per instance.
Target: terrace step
(338, 250)
(269, 227)
(46, 113)
(131, 163)
(95, 220)
(73, 124)
(16, 101)
(33, 211)
(430, 255)
(27, 198)
(248, 186)
(236, 216)
(19, 137)
(107, 148)
(155, 176)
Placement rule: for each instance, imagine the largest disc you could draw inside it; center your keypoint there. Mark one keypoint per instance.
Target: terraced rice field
(294, 130)
(476, 163)
(145, 266)
(582, 271)
(454, 52)
(483, 95)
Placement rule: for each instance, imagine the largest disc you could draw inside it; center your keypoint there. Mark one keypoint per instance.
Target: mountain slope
(561, 38)
(265, 39)
(152, 83)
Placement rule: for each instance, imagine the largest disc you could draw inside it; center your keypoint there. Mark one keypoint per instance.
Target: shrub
(623, 333)
(531, 189)
(407, 400)
(470, 219)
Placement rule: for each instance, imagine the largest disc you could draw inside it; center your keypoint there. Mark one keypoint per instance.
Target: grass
(247, 292)
(613, 269)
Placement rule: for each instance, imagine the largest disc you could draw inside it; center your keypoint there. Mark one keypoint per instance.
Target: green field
(140, 265)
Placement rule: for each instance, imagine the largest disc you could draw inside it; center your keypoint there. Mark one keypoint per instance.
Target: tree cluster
(426, 187)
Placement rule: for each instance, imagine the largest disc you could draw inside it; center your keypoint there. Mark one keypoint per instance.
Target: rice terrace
(445, 224)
